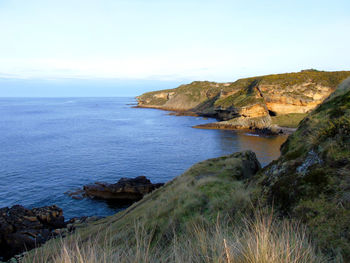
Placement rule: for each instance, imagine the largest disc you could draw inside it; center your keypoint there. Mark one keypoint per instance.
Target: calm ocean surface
(50, 146)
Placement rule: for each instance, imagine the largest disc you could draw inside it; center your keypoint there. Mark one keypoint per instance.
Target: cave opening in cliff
(272, 113)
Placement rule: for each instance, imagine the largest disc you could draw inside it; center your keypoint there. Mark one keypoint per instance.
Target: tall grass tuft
(266, 240)
(263, 239)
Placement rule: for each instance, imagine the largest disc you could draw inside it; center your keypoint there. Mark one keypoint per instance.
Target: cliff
(258, 102)
(205, 214)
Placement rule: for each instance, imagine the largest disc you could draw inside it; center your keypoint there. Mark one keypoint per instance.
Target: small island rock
(125, 190)
(132, 189)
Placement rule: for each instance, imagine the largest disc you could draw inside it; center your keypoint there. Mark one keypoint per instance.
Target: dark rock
(23, 229)
(267, 131)
(76, 194)
(51, 216)
(132, 189)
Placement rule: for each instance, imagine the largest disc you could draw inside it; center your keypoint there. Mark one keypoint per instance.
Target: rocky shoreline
(174, 112)
(22, 229)
(277, 130)
(264, 130)
(224, 125)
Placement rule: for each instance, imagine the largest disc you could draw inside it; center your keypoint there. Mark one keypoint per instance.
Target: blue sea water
(51, 145)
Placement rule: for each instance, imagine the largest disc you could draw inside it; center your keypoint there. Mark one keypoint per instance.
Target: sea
(49, 146)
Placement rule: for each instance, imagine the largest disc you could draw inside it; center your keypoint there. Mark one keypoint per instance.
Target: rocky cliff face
(183, 98)
(249, 103)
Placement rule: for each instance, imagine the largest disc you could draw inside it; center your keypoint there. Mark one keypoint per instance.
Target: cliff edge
(252, 103)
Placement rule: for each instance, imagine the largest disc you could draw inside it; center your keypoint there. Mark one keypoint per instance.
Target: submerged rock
(126, 189)
(23, 229)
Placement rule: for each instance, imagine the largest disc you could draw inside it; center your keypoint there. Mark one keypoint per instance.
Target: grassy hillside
(284, 84)
(204, 215)
(291, 120)
(196, 196)
(193, 93)
(194, 89)
(247, 95)
(311, 180)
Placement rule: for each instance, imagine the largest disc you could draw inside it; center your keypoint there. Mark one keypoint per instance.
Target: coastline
(265, 131)
(172, 111)
(276, 130)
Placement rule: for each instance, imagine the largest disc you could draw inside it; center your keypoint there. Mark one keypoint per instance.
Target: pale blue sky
(168, 42)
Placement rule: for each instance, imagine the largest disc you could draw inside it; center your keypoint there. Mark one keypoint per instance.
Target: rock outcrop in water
(23, 229)
(258, 102)
(125, 190)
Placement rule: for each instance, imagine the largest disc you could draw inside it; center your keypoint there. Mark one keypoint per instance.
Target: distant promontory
(259, 103)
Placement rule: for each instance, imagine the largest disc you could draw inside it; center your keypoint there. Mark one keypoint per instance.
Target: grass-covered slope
(208, 189)
(291, 120)
(185, 97)
(311, 180)
(204, 215)
(298, 85)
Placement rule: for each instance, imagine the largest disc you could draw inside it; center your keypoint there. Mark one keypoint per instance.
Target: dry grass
(291, 120)
(262, 240)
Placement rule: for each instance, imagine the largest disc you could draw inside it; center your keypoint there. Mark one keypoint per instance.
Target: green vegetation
(246, 96)
(197, 91)
(288, 80)
(158, 101)
(202, 90)
(329, 79)
(315, 161)
(238, 100)
(291, 120)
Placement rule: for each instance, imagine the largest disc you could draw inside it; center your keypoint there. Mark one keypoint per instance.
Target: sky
(124, 47)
